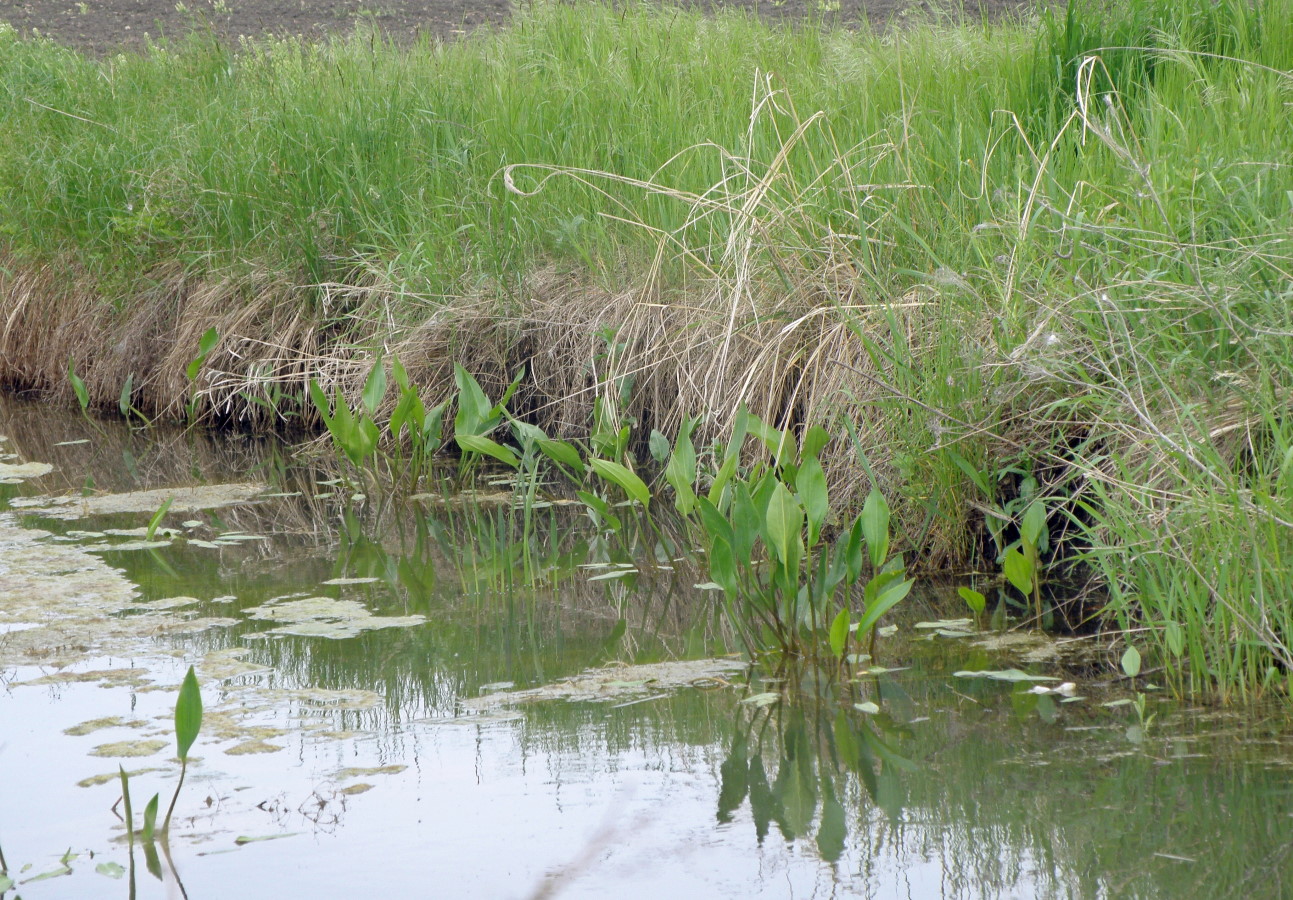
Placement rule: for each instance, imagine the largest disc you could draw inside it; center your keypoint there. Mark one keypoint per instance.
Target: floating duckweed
(616, 682)
(107, 777)
(326, 617)
(130, 748)
(93, 725)
(183, 499)
(253, 746)
(13, 473)
(360, 772)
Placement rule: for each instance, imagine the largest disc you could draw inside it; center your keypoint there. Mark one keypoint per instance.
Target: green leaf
(127, 393)
(399, 373)
(150, 819)
(973, 599)
(78, 386)
(375, 386)
(972, 473)
(562, 453)
(853, 553)
(107, 869)
(886, 600)
(722, 477)
(321, 405)
(1131, 662)
(206, 344)
(810, 483)
(618, 475)
(785, 520)
(474, 443)
(815, 438)
(1174, 637)
(157, 518)
(1033, 525)
(188, 714)
(658, 444)
(1019, 570)
(839, 634)
(473, 406)
(875, 527)
(600, 507)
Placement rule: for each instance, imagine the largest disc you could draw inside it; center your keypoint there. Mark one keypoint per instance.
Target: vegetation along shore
(1032, 276)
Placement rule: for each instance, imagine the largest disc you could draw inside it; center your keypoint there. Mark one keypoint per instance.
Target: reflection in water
(956, 788)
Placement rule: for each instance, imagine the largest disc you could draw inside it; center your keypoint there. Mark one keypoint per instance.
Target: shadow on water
(907, 781)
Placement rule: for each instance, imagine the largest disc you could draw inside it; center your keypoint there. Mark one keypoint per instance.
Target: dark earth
(105, 26)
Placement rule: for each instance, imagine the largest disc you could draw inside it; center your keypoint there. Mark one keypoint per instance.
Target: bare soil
(106, 26)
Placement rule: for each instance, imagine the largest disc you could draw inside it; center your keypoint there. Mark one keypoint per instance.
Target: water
(365, 765)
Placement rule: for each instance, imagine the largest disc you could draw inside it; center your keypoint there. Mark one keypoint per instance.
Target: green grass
(1076, 275)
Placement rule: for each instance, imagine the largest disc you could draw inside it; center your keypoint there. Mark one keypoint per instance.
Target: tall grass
(1053, 252)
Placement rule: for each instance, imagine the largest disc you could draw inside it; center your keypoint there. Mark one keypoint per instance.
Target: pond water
(431, 699)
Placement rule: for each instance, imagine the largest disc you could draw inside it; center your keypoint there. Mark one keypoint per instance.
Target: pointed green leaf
(1174, 637)
(321, 405)
(840, 632)
(562, 453)
(658, 444)
(78, 386)
(810, 484)
(1018, 569)
(785, 523)
(886, 600)
(973, 599)
(623, 478)
(815, 438)
(875, 527)
(188, 714)
(1033, 525)
(474, 443)
(374, 386)
(127, 392)
(150, 819)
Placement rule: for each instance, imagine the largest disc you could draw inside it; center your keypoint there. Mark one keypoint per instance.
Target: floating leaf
(1010, 675)
(244, 839)
(765, 699)
(108, 869)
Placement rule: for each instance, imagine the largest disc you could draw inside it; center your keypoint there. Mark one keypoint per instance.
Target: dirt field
(103, 26)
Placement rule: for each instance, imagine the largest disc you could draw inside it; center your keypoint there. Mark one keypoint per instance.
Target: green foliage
(188, 722)
(78, 386)
(786, 589)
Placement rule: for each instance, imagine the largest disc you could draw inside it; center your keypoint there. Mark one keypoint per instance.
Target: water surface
(346, 735)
